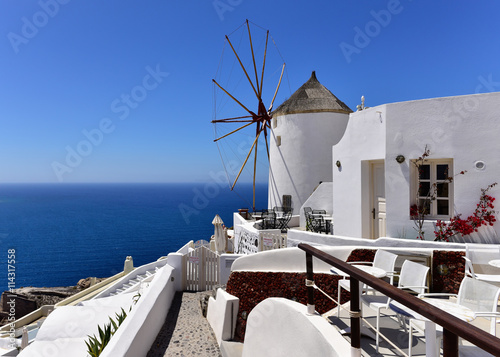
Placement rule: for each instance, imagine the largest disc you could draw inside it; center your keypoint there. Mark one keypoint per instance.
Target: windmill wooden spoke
(263, 66)
(243, 67)
(245, 162)
(278, 87)
(261, 116)
(255, 164)
(267, 145)
(234, 120)
(253, 59)
(236, 100)
(234, 131)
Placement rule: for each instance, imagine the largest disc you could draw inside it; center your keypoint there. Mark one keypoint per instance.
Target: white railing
(271, 239)
(250, 240)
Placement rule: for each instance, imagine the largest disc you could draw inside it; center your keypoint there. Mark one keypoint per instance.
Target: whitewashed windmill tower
(305, 127)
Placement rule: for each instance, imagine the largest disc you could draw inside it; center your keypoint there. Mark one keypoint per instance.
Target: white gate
(201, 270)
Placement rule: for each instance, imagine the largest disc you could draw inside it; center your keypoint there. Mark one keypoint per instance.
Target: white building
(305, 127)
(374, 179)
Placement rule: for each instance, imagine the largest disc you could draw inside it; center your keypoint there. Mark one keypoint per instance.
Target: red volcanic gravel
(253, 287)
(448, 271)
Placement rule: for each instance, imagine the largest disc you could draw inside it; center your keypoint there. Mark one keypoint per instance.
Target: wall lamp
(400, 159)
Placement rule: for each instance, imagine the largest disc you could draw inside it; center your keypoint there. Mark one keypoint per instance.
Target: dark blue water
(62, 233)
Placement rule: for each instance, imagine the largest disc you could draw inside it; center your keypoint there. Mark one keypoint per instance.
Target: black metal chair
(318, 224)
(283, 219)
(308, 217)
(269, 220)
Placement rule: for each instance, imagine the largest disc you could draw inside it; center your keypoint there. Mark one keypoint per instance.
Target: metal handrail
(453, 327)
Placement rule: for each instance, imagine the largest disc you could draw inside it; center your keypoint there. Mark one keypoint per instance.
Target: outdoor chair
(479, 296)
(308, 217)
(318, 224)
(413, 277)
(481, 254)
(268, 220)
(283, 219)
(383, 260)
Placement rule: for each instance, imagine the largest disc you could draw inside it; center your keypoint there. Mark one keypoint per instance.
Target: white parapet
(128, 266)
(281, 327)
(221, 315)
(175, 261)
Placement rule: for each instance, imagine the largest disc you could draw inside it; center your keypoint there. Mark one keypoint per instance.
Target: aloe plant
(95, 345)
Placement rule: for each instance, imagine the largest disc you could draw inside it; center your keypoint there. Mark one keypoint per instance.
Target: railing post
(450, 344)
(355, 316)
(310, 289)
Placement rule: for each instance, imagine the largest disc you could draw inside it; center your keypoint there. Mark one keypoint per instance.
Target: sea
(56, 234)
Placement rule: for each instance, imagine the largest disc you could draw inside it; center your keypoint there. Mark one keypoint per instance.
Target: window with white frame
(432, 189)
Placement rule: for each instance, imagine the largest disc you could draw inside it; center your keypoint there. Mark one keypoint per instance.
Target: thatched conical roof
(312, 97)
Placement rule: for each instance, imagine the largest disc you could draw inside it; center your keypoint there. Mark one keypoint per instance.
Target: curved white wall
(291, 260)
(304, 157)
(280, 327)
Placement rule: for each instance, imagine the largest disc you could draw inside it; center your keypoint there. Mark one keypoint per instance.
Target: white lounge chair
(383, 260)
(476, 295)
(413, 277)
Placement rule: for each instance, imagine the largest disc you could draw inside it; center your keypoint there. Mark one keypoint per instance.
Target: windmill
(256, 117)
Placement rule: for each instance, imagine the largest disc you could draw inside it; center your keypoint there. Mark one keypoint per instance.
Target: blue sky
(128, 84)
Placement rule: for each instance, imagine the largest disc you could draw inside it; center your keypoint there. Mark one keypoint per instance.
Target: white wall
(363, 140)
(225, 263)
(280, 327)
(304, 157)
(287, 260)
(139, 330)
(314, 239)
(464, 128)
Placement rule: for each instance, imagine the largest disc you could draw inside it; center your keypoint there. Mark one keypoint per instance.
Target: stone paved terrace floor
(186, 331)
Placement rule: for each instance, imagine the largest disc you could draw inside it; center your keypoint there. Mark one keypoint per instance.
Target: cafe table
(495, 263)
